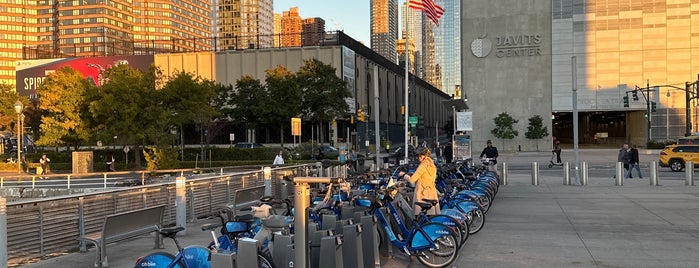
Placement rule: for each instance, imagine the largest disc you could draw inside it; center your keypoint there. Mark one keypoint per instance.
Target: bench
(122, 226)
(244, 199)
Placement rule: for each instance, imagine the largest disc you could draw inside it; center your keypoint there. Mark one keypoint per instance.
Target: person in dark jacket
(633, 163)
(448, 153)
(491, 152)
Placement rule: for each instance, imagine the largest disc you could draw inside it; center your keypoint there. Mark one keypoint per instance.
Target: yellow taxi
(675, 156)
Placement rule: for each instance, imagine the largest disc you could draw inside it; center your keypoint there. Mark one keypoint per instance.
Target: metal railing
(50, 226)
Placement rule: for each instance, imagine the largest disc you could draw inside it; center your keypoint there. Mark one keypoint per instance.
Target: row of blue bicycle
(467, 193)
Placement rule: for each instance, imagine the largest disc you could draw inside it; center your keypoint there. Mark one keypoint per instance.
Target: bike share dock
(548, 225)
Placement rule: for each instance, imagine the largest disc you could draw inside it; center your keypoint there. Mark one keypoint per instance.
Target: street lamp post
(18, 109)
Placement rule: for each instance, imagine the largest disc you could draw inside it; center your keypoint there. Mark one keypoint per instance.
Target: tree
(8, 116)
(129, 106)
(63, 105)
(536, 129)
(284, 99)
(188, 99)
(323, 93)
(245, 103)
(504, 127)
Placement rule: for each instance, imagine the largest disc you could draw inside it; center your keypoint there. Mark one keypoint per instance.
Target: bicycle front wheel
(264, 260)
(158, 260)
(445, 248)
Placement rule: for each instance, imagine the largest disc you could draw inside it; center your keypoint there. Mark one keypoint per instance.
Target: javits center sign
(526, 45)
(31, 73)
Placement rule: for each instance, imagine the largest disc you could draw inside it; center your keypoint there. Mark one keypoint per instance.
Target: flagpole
(407, 92)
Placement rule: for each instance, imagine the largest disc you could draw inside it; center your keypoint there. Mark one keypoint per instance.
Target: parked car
(11, 146)
(248, 145)
(328, 151)
(675, 156)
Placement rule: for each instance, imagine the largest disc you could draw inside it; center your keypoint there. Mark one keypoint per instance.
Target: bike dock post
(566, 173)
(504, 174)
(583, 173)
(302, 200)
(619, 174)
(247, 253)
(653, 173)
(535, 173)
(689, 174)
(370, 245)
(283, 250)
(352, 250)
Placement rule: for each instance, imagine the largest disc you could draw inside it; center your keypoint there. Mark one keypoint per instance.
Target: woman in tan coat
(424, 178)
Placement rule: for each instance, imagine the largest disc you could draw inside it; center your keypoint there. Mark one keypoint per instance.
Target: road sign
(296, 126)
(412, 120)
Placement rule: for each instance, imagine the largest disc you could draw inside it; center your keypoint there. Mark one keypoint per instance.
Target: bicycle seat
(424, 206)
(171, 232)
(275, 222)
(431, 201)
(244, 217)
(266, 199)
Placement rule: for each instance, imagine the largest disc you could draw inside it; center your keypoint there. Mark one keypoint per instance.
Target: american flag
(432, 10)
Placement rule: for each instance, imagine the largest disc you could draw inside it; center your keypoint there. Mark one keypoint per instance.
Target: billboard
(31, 73)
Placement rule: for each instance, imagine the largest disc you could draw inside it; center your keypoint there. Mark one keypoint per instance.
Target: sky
(352, 16)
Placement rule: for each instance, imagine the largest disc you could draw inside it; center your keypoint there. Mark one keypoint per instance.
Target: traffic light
(351, 119)
(626, 101)
(652, 107)
(402, 109)
(635, 95)
(360, 115)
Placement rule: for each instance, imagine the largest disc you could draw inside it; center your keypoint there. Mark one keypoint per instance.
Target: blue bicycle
(434, 244)
(188, 257)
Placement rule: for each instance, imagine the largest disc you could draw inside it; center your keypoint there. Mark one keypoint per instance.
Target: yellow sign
(296, 126)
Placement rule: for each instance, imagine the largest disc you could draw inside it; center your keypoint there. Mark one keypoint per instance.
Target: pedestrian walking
(352, 159)
(110, 163)
(278, 159)
(633, 163)
(448, 153)
(624, 157)
(44, 162)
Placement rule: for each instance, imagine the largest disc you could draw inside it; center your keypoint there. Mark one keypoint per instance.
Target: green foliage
(284, 99)
(129, 106)
(64, 102)
(8, 116)
(323, 93)
(504, 127)
(188, 99)
(160, 158)
(536, 129)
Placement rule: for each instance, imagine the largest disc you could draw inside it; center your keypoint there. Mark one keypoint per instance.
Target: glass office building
(447, 55)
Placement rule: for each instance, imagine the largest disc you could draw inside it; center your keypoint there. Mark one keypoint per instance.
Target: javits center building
(517, 59)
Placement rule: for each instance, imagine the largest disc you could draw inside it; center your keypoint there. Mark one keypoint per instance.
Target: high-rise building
(413, 18)
(448, 55)
(277, 29)
(384, 27)
(245, 24)
(53, 29)
(292, 27)
(313, 31)
(400, 48)
(432, 71)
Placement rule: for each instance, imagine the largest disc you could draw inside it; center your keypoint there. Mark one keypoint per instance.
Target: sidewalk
(550, 225)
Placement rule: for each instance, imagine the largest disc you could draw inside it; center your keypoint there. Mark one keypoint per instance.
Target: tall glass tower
(447, 52)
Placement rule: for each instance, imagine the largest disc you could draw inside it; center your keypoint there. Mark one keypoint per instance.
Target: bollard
(3, 229)
(619, 174)
(583, 173)
(566, 173)
(653, 173)
(302, 199)
(535, 173)
(180, 203)
(504, 174)
(267, 174)
(105, 181)
(689, 174)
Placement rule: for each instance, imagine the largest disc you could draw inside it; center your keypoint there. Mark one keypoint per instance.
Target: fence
(51, 226)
